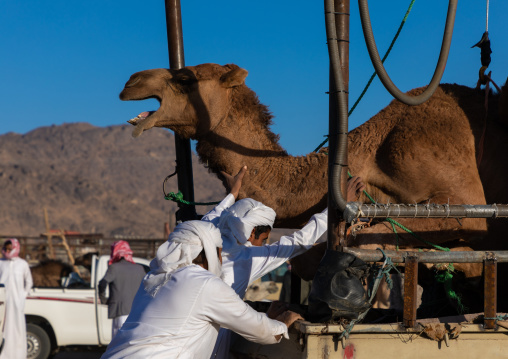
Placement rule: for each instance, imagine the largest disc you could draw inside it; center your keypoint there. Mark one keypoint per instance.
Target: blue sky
(67, 61)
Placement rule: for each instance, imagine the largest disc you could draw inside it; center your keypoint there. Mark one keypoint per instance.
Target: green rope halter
(178, 197)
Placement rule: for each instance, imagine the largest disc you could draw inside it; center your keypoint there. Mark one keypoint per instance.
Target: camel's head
(193, 100)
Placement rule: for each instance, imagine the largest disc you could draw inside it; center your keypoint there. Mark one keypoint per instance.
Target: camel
(419, 154)
(49, 273)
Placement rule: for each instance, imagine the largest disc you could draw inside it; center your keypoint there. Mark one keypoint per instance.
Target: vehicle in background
(70, 315)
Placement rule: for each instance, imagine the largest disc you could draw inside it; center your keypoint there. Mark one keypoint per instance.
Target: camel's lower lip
(141, 116)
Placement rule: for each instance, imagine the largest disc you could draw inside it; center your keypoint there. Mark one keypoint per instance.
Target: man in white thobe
(182, 303)
(15, 275)
(244, 262)
(245, 257)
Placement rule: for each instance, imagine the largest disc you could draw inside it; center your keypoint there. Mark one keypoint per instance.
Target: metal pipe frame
(358, 210)
(371, 255)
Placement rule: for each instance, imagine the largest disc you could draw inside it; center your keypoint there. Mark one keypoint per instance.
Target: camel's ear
(235, 77)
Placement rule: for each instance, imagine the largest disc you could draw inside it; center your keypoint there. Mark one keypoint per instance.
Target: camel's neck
(241, 138)
(237, 142)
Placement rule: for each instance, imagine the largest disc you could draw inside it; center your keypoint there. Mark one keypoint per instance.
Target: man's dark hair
(259, 230)
(201, 258)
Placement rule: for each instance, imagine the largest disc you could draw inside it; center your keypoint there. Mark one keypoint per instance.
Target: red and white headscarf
(119, 250)
(14, 251)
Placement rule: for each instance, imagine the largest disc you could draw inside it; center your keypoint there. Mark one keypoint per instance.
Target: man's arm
(230, 312)
(103, 284)
(27, 276)
(269, 257)
(233, 183)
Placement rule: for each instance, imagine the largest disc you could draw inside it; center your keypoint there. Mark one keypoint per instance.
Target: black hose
(339, 126)
(378, 64)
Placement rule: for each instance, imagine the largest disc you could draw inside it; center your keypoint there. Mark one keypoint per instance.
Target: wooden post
(68, 249)
(490, 287)
(410, 291)
(48, 235)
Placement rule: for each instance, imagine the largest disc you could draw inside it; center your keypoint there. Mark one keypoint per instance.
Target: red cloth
(15, 249)
(119, 250)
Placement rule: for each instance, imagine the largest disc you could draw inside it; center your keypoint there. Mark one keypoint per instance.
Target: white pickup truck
(59, 317)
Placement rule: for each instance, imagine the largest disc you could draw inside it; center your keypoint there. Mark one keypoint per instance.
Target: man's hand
(233, 184)
(289, 317)
(276, 309)
(355, 187)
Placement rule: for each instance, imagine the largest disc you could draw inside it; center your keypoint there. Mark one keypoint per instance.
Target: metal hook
(166, 179)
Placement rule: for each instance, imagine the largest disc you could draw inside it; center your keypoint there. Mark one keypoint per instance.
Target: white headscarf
(183, 246)
(237, 222)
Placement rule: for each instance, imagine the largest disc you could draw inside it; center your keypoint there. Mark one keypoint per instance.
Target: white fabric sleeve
(28, 282)
(214, 215)
(223, 306)
(269, 257)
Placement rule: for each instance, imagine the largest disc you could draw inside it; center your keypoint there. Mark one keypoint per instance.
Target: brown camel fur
(49, 273)
(405, 154)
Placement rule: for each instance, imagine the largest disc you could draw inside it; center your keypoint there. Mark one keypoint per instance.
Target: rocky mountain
(92, 180)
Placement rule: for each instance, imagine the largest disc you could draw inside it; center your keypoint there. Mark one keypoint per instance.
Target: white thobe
(242, 265)
(183, 319)
(15, 275)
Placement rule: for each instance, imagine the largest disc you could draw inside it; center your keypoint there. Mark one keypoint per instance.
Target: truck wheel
(37, 341)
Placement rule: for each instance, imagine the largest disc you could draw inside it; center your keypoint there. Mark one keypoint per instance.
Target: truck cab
(66, 316)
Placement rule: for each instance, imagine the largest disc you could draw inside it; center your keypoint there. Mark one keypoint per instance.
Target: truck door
(104, 324)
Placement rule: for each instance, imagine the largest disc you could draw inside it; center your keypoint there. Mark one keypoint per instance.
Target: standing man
(182, 303)
(123, 277)
(15, 275)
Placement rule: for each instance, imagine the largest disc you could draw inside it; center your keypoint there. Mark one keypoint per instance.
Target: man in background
(123, 277)
(15, 275)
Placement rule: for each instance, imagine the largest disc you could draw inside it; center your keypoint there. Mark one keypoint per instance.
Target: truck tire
(38, 342)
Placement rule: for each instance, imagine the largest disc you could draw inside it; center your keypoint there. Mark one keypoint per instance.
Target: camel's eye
(132, 81)
(184, 79)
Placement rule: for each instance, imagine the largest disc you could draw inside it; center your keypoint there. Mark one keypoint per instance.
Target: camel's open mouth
(142, 116)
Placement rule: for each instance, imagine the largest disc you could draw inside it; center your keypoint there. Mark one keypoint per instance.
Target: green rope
(321, 144)
(178, 197)
(384, 57)
(498, 317)
(394, 229)
(374, 74)
(395, 223)
(446, 277)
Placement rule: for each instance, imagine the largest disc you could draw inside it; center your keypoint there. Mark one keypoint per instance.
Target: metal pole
(355, 210)
(182, 146)
(372, 255)
(337, 226)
